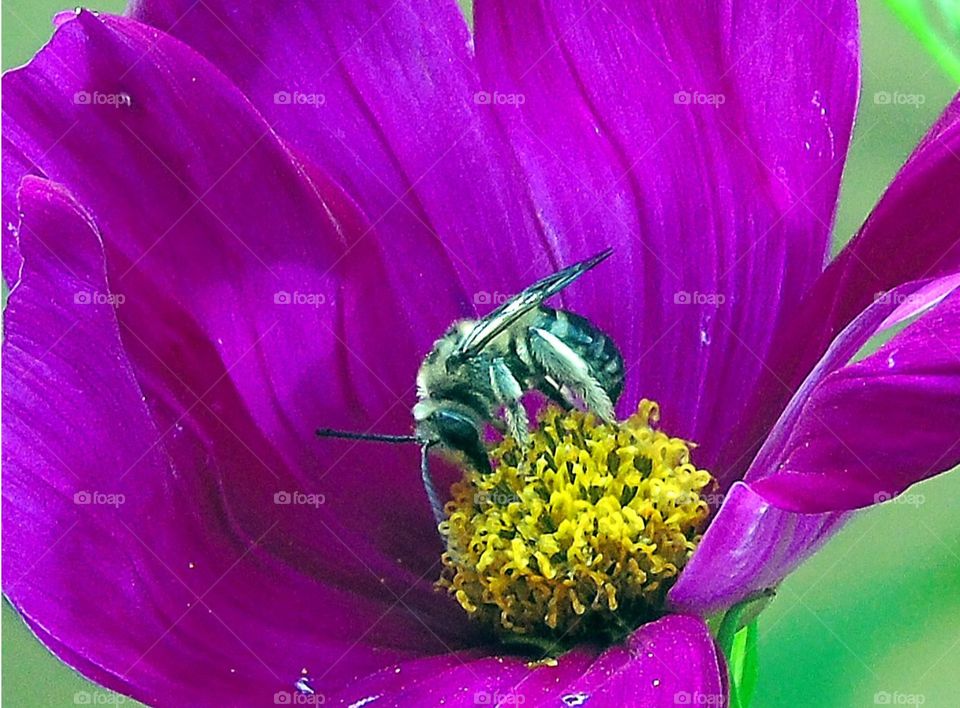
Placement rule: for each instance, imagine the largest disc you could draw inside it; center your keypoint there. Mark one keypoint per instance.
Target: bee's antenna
(373, 437)
(436, 506)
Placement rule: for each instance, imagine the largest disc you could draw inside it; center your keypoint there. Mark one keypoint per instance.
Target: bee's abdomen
(593, 346)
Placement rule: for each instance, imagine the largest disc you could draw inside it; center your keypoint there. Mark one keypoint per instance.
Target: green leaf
(744, 666)
(737, 639)
(937, 31)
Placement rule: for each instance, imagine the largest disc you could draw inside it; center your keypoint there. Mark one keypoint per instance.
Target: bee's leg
(435, 505)
(508, 392)
(569, 370)
(500, 426)
(551, 389)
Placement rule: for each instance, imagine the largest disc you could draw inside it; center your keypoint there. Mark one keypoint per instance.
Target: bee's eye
(460, 432)
(456, 429)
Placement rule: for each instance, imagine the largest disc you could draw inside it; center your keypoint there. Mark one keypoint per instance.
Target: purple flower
(226, 225)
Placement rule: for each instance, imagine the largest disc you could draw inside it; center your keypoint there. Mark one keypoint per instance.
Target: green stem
(729, 627)
(728, 630)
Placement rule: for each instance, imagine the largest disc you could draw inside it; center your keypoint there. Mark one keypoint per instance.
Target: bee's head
(443, 360)
(454, 426)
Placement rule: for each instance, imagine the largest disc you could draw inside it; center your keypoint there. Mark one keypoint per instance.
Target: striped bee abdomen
(596, 349)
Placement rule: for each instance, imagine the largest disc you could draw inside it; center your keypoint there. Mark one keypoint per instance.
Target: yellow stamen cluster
(581, 531)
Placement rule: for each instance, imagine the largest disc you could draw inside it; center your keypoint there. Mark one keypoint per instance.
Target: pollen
(580, 532)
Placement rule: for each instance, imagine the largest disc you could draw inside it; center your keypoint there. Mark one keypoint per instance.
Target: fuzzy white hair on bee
(477, 373)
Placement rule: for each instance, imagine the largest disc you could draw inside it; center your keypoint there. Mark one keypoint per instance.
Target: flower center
(580, 533)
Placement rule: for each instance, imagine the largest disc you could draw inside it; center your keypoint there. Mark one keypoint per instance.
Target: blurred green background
(877, 612)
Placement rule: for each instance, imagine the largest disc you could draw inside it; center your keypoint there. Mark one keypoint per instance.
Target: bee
(480, 367)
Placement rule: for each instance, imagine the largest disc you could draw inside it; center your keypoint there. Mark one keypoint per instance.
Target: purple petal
(129, 565)
(751, 545)
(650, 126)
(801, 485)
(871, 429)
(380, 94)
(886, 312)
(15, 168)
(399, 85)
(201, 278)
(663, 663)
(911, 235)
(919, 209)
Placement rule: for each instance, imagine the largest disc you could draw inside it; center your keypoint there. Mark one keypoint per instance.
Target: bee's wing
(517, 306)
